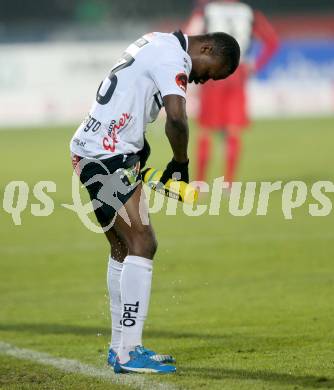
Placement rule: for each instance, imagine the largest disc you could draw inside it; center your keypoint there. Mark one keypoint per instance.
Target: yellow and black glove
(175, 170)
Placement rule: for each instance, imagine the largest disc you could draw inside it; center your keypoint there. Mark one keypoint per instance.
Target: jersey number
(125, 61)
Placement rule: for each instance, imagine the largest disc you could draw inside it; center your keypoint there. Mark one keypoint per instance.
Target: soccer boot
(153, 355)
(140, 362)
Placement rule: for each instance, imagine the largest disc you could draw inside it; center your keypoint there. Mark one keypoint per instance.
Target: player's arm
(170, 76)
(265, 33)
(177, 132)
(176, 128)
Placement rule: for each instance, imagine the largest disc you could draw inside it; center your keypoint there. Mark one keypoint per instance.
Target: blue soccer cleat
(140, 362)
(153, 355)
(111, 357)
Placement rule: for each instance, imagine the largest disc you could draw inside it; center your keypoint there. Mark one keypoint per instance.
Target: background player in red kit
(223, 105)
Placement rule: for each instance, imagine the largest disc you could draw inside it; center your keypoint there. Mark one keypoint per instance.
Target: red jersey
(223, 103)
(239, 20)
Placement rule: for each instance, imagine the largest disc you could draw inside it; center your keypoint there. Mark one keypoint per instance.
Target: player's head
(214, 56)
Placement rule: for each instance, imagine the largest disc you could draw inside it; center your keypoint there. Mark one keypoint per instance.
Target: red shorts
(223, 102)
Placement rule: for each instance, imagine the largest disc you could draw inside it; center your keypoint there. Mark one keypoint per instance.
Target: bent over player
(109, 149)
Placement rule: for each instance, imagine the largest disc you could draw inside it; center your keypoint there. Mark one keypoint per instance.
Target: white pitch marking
(76, 367)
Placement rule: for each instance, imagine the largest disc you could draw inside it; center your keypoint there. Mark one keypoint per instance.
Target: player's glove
(174, 167)
(144, 154)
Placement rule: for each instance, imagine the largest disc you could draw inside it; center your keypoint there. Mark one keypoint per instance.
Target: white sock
(114, 288)
(135, 290)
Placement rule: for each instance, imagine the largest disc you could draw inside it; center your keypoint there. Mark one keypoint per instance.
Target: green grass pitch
(242, 302)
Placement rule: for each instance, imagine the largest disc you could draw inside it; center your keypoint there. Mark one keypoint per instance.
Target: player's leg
(203, 152)
(208, 120)
(136, 274)
(138, 236)
(103, 186)
(118, 248)
(236, 119)
(135, 284)
(118, 252)
(232, 151)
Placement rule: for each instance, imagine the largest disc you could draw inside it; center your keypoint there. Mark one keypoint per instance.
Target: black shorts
(110, 182)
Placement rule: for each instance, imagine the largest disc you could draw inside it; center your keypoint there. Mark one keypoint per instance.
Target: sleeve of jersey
(170, 78)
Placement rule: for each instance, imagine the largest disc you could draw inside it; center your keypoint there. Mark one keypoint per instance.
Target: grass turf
(243, 303)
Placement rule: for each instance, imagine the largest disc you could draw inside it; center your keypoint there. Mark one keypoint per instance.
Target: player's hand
(175, 170)
(144, 154)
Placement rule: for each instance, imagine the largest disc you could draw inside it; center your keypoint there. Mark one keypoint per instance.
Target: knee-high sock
(203, 155)
(136, 281)
(114, 288)
(233, 143)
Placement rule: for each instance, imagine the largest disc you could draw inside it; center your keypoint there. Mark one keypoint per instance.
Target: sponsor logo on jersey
(91, 123)
(182, 81)
(79, 142)
(122, 122)
(109, 142)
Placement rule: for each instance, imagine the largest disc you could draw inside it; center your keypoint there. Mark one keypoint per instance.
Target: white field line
(76, 367)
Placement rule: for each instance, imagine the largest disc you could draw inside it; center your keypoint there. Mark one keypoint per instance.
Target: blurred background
(53, 55)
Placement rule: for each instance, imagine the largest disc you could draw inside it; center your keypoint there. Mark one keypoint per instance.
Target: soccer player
(223, 104)
(108, 151)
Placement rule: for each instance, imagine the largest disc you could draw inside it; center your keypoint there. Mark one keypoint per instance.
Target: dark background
(21, 11)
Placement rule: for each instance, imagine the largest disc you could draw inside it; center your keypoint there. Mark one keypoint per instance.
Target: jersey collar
(183, 39)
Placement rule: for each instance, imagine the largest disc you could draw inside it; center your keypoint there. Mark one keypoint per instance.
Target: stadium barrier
(54, 83)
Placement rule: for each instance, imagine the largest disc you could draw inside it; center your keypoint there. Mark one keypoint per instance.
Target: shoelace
(148, 353)
(143, 351)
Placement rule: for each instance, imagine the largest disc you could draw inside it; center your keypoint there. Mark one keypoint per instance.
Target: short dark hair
(226, 47)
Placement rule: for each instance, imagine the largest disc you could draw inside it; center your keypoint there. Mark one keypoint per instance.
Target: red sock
(233, 143)
(203, 154)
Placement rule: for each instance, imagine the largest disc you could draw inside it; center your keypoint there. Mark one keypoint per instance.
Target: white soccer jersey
(235, 19)
(154, 66)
